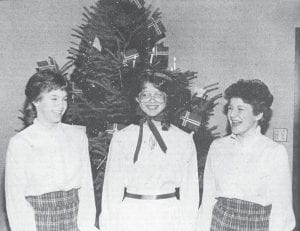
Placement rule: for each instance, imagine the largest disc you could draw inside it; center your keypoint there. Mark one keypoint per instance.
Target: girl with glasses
(151, 178)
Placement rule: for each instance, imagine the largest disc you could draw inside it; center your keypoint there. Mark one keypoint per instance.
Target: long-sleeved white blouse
(155, 172)
(256, 170)
(41, 160)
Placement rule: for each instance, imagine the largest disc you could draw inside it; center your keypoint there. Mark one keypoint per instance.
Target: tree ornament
(138, 3)
(96, 44)
(191, 120)
(157, 29)
(130, 57)
(47, 65)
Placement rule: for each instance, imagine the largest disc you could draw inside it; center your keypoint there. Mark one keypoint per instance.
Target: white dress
(154, 173)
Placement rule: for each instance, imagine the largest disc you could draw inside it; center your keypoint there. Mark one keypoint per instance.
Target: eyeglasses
(146, 96)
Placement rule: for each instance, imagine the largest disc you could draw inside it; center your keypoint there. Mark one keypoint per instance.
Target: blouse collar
(44, 128)
(249, 140)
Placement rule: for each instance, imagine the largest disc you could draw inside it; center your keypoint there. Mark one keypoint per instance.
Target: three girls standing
(151, 179)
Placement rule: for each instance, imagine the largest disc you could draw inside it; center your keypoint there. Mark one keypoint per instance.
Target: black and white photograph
(150, 115)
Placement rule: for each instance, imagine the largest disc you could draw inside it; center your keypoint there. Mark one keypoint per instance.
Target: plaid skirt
(56, 211)
(234, 214)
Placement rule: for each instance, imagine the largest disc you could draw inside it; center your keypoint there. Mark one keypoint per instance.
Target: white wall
(227, 40)
(221, 40)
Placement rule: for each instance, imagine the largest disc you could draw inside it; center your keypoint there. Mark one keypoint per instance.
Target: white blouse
(41, 160)
(155, 172)
(256, 170)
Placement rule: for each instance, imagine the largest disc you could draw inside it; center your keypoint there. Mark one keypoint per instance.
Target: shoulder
(127, 133)
(21, 144)
(272, 149)
(76, 130)
(177, 133)
(131, 129)
(222, 141)
(23, 136)
(269, 143)
(179, 142)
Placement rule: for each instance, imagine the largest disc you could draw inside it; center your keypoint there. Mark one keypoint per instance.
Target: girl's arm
(19, 211)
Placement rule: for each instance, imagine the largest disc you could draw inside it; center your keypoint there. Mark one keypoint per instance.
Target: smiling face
(151, 100)
(241, 117)
(51, 107)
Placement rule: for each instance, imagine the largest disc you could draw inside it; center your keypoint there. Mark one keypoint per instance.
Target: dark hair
(40, 82)
(257, 94)
(163, 83)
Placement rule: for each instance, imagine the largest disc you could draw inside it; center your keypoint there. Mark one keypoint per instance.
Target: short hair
(257, 94)
(41, 82)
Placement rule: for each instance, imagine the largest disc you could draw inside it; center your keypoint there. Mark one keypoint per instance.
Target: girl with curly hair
(247, 182)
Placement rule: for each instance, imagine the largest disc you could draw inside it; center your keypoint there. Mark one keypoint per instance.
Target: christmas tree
(117, 41)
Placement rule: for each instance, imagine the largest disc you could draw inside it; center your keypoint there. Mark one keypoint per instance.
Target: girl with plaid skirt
(151, 178)
(48, 181)
(247, 182)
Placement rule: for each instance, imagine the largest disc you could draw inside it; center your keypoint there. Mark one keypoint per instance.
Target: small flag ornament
(75, 91)
(160, 56)
(157, 26)
(156, 30)
(46, 65)
(130, 57)
(191, 120)
(111, 128)
(138, 3)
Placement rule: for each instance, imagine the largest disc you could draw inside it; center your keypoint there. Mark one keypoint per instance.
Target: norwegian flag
(130, 57)
(111, 128)
(160, 49)
(191, 120)
(75, 91)
(157, 26)
(138, 3)
(46, 64)
(160, 56)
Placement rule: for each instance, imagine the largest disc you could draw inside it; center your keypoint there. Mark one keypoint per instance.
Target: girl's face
(151, 100)
(241, 117)
(51, 107)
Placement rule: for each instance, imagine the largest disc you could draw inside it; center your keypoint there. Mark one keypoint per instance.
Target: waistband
(54, 199)
(242, 206)
(176, 194)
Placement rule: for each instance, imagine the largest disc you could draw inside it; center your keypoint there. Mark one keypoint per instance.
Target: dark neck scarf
(154, 131)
